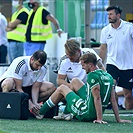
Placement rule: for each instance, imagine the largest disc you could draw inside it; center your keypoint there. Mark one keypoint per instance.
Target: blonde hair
(72, 46)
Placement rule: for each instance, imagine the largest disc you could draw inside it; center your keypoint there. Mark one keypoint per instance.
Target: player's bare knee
(5, 87)
(61, 88)
(7, 84)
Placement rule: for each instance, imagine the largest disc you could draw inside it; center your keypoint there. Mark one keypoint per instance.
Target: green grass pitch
(52, 126)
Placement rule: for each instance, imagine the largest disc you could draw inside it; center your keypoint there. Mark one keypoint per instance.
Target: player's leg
(128, 99)
(79, 88)
(46, 89)
(76, 84)
(55, 98)
(114, 72)
(7, 84)
(80, 93)
(126, 81)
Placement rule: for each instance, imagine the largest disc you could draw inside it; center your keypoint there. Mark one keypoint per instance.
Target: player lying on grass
(86, 102)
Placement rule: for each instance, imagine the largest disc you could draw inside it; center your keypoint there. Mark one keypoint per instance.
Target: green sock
(46, 106)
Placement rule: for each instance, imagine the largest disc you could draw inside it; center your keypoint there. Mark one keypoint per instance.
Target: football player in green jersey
(86, 102)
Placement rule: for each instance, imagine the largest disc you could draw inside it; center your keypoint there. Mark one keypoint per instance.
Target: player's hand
(125, 121)
(39, 105)
(35, 110)
(100, 122)
(59, 33)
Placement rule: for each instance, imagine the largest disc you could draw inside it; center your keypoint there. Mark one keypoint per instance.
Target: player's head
(88, 62)
(72, 50)
(38, 59)
(33, 3)
(114, 13)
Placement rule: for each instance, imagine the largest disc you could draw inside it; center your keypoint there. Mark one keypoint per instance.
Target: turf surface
(52, 126)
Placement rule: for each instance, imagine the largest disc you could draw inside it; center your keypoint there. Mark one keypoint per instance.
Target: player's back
(106, 83)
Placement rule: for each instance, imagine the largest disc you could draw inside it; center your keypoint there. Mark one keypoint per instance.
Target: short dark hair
(40, 56)
(118, 9)
(89, 58)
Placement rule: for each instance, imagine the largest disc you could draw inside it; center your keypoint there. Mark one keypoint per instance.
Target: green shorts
(82, 92)
(77, 106)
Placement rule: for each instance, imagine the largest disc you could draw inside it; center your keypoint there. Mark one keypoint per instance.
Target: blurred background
(79, 18)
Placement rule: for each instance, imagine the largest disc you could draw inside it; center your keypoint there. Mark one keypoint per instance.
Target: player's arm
(98, 104)
(97, 101)
(103, 51)
(18, 84)
(51, 18)
(61, 79)
(12, 25)
(115, 107)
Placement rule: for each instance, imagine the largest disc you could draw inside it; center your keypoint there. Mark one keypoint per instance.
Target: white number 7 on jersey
(108, 86)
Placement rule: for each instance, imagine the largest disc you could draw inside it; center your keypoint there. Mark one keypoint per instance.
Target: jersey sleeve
(62, 68)
(3, 22)
(44, 15)
(131, 30)
(17, 69)
(92, 80)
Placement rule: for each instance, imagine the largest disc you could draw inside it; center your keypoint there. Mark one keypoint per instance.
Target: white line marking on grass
(119, 115)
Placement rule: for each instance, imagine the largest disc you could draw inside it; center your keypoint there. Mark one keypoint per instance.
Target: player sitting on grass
(86, 102)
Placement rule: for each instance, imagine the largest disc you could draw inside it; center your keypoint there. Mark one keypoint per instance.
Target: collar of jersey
(75, 63)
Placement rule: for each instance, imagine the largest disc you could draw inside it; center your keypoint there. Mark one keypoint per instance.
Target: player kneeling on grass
(26, 74)
(86, 102)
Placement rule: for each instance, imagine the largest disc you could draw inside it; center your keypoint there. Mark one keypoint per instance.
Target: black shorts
(27, 90)
(124, 78)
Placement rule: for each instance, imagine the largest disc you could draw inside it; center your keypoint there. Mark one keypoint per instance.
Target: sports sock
(65, 110)
(46, 106)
